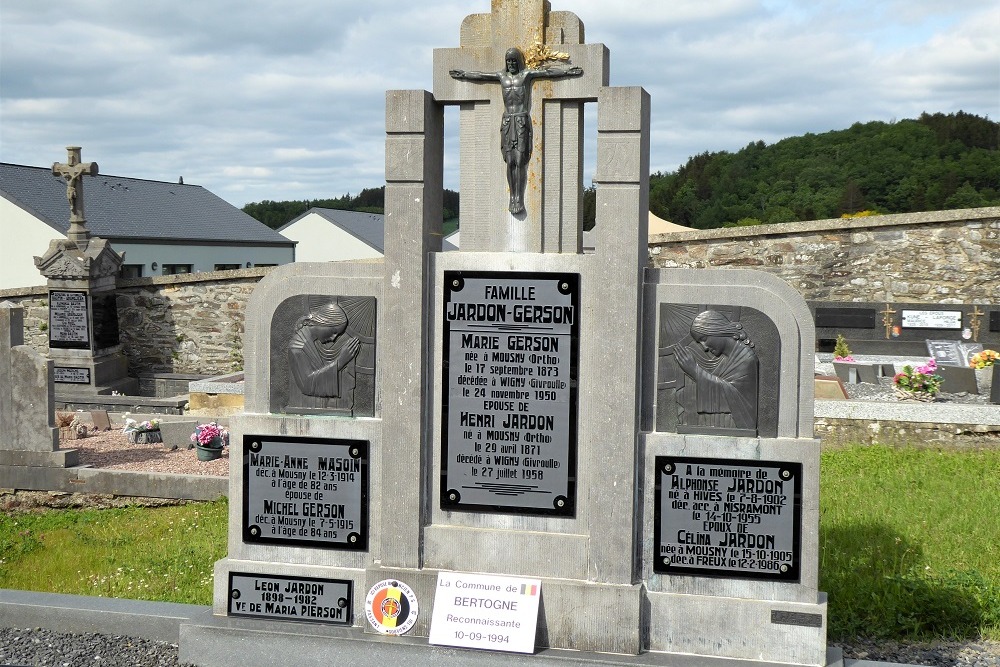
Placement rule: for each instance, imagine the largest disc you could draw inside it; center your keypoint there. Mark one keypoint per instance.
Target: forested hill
(935, 162)
(274, 214)
(932, 163)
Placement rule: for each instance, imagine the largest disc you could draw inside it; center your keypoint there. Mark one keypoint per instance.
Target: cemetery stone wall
(935, 257)
(168, 324)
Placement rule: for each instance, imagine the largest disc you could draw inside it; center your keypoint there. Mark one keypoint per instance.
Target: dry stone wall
(190, 323)
(194, 323)
(934, 258)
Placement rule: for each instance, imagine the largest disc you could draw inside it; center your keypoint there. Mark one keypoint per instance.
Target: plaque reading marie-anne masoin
(305, 491)
(725, 517)
(511, 343)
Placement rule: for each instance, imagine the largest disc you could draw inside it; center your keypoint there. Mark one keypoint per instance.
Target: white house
(161, 228)
(331, 235)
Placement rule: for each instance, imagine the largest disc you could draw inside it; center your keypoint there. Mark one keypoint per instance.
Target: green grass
(910, 542)
(165, 553)
(909, 546)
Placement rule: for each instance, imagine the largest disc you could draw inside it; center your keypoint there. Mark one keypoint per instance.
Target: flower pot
(209, 452)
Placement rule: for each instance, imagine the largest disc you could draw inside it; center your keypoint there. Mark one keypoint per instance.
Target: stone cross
(73, 172)
(550, 221)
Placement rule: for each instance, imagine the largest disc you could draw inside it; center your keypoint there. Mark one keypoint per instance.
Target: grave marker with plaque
(509, 428)
(305, 491)
(718, 517)
(69, 322)
(290, 598)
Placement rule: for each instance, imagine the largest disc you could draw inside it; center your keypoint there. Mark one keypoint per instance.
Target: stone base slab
(768, 631)
(114, 482)
(61, 458)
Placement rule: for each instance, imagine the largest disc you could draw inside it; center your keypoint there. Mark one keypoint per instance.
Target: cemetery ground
(909, 550)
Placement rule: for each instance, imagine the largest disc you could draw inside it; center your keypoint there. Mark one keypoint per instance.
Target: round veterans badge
(391, 607)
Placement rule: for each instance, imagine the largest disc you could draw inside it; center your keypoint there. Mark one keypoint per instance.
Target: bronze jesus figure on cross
(515, 128)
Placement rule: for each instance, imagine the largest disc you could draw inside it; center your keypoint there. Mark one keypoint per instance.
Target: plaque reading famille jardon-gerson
(305, 491)
(508, 441)
(721, 517)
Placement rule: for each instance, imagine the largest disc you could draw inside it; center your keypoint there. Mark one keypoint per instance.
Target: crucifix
(522, 185)
(974, 323)
(72, 172)
(887, 320)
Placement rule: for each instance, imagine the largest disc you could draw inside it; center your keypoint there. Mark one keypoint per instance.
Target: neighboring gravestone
(83, 314)
(639, 442)
(28, 437)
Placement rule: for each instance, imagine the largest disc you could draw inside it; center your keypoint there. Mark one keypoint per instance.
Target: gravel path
(112, 450)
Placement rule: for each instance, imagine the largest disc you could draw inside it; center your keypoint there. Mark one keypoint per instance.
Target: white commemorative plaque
(511, 345)
(730, 518)
(932, 319)
(485, 612)
(71, 375)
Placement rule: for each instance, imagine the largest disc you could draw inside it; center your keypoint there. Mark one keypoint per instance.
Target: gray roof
(123, 208)
(368, 227)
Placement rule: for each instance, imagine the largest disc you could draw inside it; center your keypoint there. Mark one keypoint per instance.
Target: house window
(173, 269)
(228, 267)
(128, 271)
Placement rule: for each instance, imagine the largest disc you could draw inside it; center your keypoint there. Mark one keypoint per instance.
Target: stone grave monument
(637, 443)
(83, 315)
(28, 437)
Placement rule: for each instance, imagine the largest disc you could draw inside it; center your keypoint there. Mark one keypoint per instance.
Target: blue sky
(269, 99)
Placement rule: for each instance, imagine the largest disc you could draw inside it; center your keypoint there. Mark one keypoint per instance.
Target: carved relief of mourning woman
(725, 377)
(321, 356)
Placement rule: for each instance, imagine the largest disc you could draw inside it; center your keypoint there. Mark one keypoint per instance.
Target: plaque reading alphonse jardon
(290, 598)
(305, 491)
(69, 323)
(511, 343)
(721, 517)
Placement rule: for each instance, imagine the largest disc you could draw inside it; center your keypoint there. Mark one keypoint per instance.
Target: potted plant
(921, 384)
(142, 433)
(209, 439)
(987, 366)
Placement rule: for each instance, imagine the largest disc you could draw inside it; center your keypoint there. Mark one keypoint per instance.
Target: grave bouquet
(208, 440)
(142, 433)
(984, 359)
(921, 383)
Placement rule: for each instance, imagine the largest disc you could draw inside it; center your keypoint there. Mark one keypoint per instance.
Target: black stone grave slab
(508, 435)
(305, 492)
(727, 518)
(846, 318)
(303, 599)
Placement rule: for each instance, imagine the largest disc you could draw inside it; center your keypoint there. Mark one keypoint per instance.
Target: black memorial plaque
(932, 319)
(727, 518)
(511, 347)
(995, 320)
(290, 598)
(69, 323)
(71, 375)
(305, 491)
(845, 318)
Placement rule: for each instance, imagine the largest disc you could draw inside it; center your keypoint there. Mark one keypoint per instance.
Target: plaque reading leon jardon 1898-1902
(721, 517)
(305, 491)
(290, 598)
(508, 441)
(69, 324)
